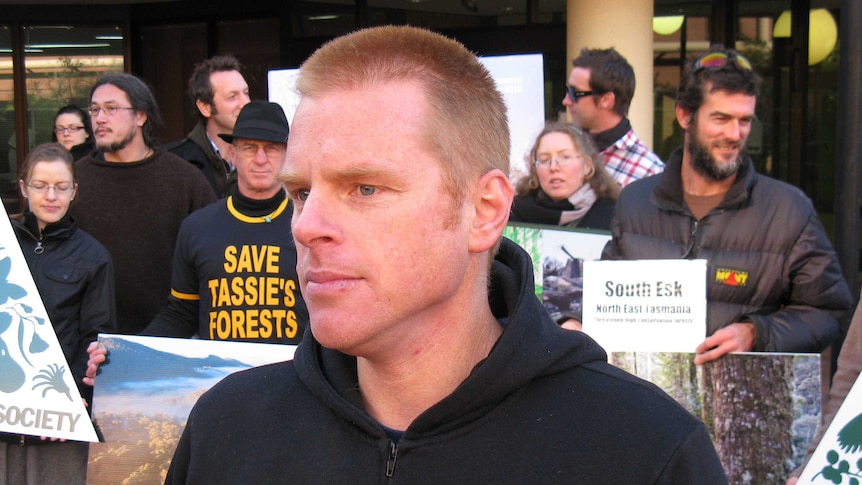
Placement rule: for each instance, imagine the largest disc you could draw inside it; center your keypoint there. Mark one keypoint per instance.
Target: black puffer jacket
(75, 278)
(769, 259)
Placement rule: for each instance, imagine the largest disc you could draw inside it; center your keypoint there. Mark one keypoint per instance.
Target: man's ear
(608, 101)
(492, 203)
(141, 118)
(204, 108)
(683, 117)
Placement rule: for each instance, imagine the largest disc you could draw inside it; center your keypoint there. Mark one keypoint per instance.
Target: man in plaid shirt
(607, 81)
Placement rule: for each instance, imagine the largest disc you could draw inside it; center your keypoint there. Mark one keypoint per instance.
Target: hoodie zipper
(390, 461)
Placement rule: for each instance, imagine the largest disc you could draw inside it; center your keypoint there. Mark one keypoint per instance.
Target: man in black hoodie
(428, 360)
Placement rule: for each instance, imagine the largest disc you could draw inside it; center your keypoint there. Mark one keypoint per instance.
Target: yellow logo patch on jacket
(731, 277)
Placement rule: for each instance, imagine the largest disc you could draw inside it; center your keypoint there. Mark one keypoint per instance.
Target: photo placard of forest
(761, 409)
(558, 256)
(144, 393)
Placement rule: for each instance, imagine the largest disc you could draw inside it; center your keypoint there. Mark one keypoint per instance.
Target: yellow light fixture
(822, 33)
(667, 25)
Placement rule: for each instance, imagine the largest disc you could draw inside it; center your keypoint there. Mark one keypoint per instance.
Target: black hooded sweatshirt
(543, 407)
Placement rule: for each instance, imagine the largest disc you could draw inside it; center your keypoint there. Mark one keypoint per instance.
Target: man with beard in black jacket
(774, 283)
(428, 359)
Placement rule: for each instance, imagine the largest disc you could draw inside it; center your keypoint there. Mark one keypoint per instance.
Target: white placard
(39, 395)
(839, 454)
(645, 305)
(521, 80)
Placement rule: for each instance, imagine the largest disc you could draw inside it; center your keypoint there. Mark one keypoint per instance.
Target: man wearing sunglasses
(774, 282)
(598, 94)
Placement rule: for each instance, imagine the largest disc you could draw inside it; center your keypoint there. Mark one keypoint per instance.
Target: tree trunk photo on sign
(751, 416)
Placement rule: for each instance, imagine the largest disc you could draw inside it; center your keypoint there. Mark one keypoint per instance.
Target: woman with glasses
(72, 129)
(75, 277)
(567, 184)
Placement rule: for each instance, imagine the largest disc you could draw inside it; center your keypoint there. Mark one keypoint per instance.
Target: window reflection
(61, 63)
(8, 167)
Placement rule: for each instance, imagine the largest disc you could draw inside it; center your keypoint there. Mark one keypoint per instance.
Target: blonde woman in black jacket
(75, 279)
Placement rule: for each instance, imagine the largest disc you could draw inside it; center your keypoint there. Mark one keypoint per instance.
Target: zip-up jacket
(75, 278)
(543, 407)
(769, 261)
(197, 149)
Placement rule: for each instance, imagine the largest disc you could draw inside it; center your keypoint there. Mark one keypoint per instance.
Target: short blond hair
(467, 127)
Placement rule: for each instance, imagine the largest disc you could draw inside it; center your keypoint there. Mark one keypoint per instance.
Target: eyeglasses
(271, 151)
(68, 129)
(109, 110)
(720, 59)
(562, 160)
(576, 95)
(62, 188)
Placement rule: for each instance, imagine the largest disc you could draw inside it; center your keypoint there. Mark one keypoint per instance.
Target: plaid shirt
(628, 159)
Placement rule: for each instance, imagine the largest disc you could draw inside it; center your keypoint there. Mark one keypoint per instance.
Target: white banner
(645, 305)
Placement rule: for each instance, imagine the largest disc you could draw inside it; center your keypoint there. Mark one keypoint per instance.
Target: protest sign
(558, 255)
(645, 305)
(144, 393)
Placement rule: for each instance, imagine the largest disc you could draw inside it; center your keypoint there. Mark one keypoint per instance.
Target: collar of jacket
(61, 229)
(668, 193)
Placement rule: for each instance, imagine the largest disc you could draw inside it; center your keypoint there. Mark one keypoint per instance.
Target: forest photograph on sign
(145, 391)
(761, 409)
(558, 255)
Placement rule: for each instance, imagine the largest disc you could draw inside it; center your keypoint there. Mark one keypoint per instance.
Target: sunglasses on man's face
(576, 95)
(720, 59)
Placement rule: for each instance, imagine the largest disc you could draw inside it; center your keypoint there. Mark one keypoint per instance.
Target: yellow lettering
(222, 330)
(244, 263)
(223, 293)
(237, 320)
(272, 259)
(271, 291)
(252, 295)
(230, 259)
(265, 322)
(213, 286)
(292, 326)
(237, 291)
(289, 297)
(251, 323)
